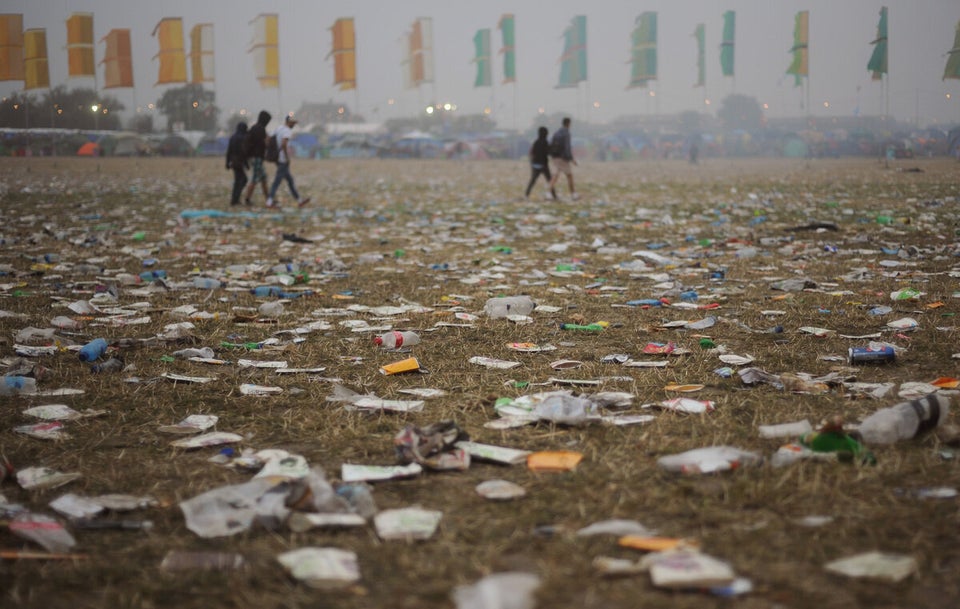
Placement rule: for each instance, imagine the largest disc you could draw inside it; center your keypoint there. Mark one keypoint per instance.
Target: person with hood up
(256, 148)
(539, 161)
(237, 161)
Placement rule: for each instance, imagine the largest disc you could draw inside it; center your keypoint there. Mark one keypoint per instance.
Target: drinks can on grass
(866, 355)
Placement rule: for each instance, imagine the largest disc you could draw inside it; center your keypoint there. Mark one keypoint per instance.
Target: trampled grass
(448, 235)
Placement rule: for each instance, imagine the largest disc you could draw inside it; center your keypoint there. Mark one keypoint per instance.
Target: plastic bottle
(12, 385)
(585, 328)
(263, 291)
(151, 275)
(127, 279)
(65, 323)
(289, 267)
(206, 283)
(905, 420)
(397, 339)
(271, 309)
(92, 351)
(509, 305)
(111, 365)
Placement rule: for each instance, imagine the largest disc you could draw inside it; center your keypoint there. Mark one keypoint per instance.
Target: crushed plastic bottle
(111, 365)
(397, 339)
(13, 385)
(272, 309)
(93, 350)
(905, 420)
(206, 283)
(595, 327)
(508, 305)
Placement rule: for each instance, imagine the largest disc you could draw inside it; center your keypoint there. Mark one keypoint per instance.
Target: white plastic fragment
(323, 568)
(708, 460)
(509, 590)
(877, 565)
(410, 523)
(686, 569)
(500, 490)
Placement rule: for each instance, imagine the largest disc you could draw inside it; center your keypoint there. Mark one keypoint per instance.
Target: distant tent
(176, 145)
(131, 145)
(795, 148)
(212, 146)
(89, 149)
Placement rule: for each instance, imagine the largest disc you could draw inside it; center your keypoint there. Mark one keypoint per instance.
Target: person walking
(539, 161)
(237, 161)
(561, 150)
(256, 148)
(283, 134)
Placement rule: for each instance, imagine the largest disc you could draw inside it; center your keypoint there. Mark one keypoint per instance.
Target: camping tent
(89, 149)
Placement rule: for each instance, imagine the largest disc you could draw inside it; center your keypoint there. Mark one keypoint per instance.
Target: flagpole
(26, 111)
(516, 102)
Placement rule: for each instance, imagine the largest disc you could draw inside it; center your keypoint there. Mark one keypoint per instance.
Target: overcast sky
(920, 32)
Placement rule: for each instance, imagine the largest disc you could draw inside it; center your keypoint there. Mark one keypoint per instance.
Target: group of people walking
(558, 148)
(251, 147)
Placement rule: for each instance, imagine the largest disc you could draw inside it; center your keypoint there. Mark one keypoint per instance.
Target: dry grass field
(447, 236)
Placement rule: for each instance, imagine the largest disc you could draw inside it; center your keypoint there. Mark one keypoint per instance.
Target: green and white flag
(481, 45)
(799, 66)
(701, 53)
(726, 47)
(573, 61)
(643, 51)
(878, 60)
(952, 69)
(508, 50)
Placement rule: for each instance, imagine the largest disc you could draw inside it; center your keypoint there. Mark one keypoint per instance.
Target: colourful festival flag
(344, 54)
(36, 70)
(726, 47)
(421, 51)
(878, 60)
(700, 35)
(117, 61)
(481, 46)
(573, 61)
(952, 69)
(508, 48)
(643, 51)
(201, 53)
(80, 45)
(11, 47)
(173, 59)
(799, 67)
(266, 50)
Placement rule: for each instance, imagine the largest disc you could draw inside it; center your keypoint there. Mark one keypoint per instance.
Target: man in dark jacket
(237, 161)
(256, 145)
(563, 160)
(539, 161)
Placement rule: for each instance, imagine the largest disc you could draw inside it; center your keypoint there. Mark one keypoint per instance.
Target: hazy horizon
(920, 34)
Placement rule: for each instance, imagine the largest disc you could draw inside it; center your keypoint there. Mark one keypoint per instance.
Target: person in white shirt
(283, 134)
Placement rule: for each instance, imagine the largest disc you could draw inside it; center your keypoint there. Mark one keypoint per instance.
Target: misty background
(920, 34)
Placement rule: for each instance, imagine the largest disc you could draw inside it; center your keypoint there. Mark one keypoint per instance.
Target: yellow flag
(201, 53)
(11, 47)
(173, 61)
(266, 51)
(80, 44)
(36, 69)
(117, 63)
(344, 54)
